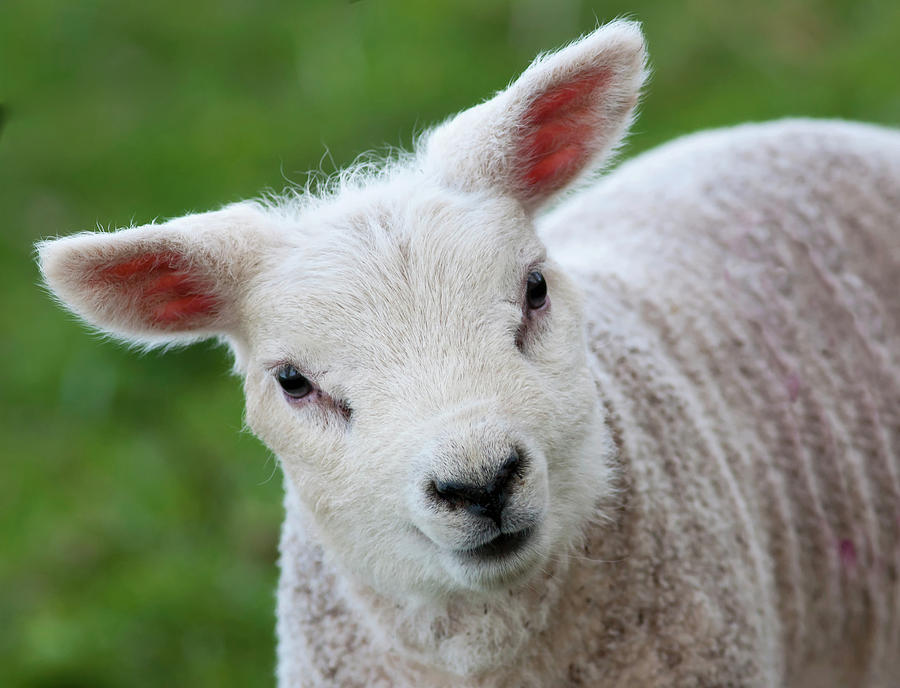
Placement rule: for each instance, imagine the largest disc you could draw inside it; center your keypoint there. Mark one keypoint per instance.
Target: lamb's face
(447, 436)
(431, 404)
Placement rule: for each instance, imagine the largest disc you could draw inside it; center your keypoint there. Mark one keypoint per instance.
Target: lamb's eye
(536, 290)
(293, 383)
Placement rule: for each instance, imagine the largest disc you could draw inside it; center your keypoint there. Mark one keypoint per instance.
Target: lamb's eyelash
(273, 367)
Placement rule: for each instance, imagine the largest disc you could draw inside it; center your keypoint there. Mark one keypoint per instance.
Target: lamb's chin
(503, 564)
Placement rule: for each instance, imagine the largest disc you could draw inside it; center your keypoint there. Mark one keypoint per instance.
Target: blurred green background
(138, 521)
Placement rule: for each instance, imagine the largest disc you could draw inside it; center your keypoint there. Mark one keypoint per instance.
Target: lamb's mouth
(501, 546)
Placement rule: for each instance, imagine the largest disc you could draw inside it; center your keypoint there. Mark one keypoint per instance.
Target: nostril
(486, 499)
(454, 492)
(507, 470)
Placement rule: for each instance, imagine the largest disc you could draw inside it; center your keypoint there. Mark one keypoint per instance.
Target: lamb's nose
(487, 499)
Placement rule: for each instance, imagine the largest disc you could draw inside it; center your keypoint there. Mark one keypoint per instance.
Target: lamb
(657, 446)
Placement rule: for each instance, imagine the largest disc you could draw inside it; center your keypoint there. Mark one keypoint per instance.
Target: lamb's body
(743, 314)
(726, 437)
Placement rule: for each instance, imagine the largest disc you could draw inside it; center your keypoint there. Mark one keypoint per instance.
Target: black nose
(487, 499)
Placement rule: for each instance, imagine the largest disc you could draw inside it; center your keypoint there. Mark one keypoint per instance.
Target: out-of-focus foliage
(138, 522)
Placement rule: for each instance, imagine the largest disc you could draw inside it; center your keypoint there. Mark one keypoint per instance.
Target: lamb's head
(422, 376)
(409, 351)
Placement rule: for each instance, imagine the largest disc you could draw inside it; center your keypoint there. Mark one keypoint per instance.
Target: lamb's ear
(157, 284)
(559, 119)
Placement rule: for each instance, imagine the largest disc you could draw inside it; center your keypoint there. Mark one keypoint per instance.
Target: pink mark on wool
(847, 553)
(792, 384)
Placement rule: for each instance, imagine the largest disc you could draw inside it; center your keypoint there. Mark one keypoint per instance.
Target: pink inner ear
(163, 289)
(560, 131)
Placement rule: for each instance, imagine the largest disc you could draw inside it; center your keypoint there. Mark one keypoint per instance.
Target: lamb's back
(755, 271)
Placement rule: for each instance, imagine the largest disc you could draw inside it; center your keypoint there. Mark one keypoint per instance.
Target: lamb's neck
(468, 633)
(436, 640)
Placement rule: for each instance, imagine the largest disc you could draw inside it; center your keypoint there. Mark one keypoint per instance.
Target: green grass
(138, 522)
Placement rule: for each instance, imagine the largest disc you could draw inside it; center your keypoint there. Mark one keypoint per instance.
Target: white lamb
(664, 453)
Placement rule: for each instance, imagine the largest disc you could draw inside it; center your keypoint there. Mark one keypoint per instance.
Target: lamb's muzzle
(484, 498)
(482, 501)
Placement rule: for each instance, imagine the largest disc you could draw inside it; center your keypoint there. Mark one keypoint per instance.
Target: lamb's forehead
(379, 259)
(414, 222)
